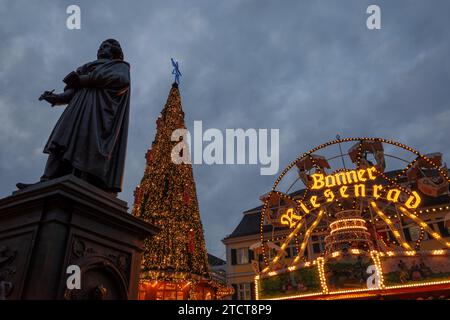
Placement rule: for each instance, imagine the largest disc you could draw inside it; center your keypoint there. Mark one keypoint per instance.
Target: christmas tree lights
(166, 198)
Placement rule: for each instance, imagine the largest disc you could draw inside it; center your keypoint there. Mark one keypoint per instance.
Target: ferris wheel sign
(350, 183)
(336, 220)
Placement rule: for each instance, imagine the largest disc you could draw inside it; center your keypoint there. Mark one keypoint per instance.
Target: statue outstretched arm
(58, 99)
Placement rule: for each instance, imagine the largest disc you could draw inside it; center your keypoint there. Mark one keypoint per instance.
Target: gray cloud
(310, 68)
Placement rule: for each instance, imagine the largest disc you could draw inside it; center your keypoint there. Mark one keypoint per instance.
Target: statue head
(110, 49)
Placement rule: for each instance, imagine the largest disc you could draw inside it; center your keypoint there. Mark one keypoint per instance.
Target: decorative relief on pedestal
(82, 249)
(78, 248)
(105, 271)
(7, 270)
(121, 261)
(6, 256)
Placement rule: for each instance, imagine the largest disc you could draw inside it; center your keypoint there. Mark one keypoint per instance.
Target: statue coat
(92, 132)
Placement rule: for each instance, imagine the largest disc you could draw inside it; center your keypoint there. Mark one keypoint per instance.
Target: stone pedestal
(48, 227)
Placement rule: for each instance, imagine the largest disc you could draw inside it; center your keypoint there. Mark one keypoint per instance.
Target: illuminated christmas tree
(175, 264)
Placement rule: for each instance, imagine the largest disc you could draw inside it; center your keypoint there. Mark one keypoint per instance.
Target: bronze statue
(90, 138)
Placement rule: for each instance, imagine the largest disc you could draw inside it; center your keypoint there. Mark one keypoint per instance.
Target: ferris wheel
(353, 194)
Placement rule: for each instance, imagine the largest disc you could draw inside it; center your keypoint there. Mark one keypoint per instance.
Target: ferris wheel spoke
(391, 226)
(425, 226)
(307, 236)
(287, 241)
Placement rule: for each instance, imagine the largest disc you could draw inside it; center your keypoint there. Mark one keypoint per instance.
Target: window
(445, 231)
(407, 233)
(242, 256)
(294, 250)
(317, 248)
(244, 291)
(318, 244)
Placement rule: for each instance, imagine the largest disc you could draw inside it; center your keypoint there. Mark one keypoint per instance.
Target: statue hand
(50, 97)
(45, 94)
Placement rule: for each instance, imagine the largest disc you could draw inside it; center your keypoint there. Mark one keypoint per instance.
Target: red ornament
(137, 195)
(186, 195)
(159, 122)
(381, 236)
(149, 156)
(191, 244)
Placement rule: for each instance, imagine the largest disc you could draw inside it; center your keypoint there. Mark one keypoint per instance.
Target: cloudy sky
(310, 68)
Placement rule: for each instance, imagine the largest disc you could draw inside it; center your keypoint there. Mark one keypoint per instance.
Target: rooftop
(215, 261)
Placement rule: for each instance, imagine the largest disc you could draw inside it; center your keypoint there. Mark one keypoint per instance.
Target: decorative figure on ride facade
(90, 138)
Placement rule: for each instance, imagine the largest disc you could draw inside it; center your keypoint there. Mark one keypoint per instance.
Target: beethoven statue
(90, 138)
